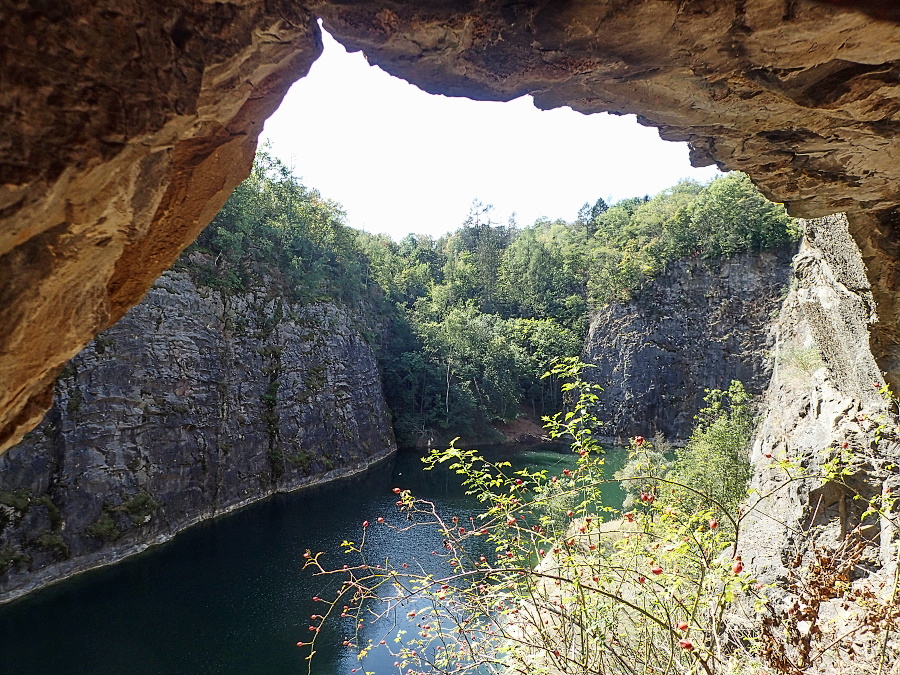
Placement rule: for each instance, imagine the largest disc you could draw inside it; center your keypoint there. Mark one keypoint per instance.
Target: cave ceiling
(127, 124)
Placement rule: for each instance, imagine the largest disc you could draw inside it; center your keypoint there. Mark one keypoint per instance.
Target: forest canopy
(466, 324)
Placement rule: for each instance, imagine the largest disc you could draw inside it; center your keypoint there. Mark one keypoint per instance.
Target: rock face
(126, 125)
(125, 128)
(807, 521)
(697, 326)
(196, 403)
(113, 159)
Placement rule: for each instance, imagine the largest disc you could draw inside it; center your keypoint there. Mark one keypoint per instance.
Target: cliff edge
(196, 403)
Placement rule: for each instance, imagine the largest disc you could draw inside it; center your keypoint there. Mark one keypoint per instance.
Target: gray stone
(196, 403)
(699, 325)
(804, 522)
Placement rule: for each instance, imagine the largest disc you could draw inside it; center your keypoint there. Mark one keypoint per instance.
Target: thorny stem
(887, 633)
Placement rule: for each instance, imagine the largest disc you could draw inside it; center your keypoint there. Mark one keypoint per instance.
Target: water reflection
(229, 596)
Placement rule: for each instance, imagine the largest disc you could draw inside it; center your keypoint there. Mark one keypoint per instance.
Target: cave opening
(400, 160)
(140, 158)
(112, 170)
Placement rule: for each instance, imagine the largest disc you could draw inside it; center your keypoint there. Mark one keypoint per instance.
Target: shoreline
(532, 441)
(54, 574)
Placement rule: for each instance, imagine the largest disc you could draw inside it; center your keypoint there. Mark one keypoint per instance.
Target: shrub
(12, 557)
(53, 542)
(525, 588)
(16, 499)
(640, 476)
(53, 512)
(801, 361)
(140, 508)
(104, 528)
(648, 591)
(715, 462)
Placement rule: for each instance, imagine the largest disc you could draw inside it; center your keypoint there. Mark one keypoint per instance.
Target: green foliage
(104, 528)
(645, 594)
(275, 228)
(73, 405)
(140, 508)
(465, 324)
(474, 254)
(300, 459)
(12, 557)
(458, 353)
(711, 472)
(276, 461)
(633, 240)
(53, 512)
(801, 361)
(16, 499)
(715, 463)
(538, 583)
(470, 368)
(53, 542)
(640, 477)
(541, 274)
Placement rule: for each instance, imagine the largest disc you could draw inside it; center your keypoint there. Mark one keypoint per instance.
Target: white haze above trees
(400, 160)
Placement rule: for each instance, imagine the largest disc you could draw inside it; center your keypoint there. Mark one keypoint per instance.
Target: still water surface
(229, 596)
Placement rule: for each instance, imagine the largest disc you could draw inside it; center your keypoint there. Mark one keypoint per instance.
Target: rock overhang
(128, 125)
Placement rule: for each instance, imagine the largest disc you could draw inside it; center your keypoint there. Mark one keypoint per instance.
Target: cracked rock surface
(196, 403)
(827, 450)
(697, 326)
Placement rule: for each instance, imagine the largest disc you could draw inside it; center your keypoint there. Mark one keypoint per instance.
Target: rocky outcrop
(697, 326)
(197, 402)
(826, 451)
(127, 125)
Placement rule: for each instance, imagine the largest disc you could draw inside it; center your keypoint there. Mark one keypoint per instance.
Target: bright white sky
(400, 160)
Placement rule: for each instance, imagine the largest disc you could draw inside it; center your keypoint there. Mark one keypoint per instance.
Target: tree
(732, 216)
(716, 459)
(466, 324)
(598, 209)
(273, 225)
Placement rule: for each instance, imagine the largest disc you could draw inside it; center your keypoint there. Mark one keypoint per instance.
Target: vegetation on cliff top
(465, 324)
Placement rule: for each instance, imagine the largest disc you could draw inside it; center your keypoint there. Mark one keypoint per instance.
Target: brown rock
(880, 9)
(127, 126)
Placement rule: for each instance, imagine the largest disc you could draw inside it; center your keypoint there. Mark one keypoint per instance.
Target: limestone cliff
(697, 326)
(197, 402)
(807, 530)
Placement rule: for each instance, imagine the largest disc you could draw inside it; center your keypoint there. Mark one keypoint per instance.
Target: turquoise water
(230, 596)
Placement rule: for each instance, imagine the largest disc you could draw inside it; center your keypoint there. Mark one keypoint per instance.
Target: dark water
(229, 596)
